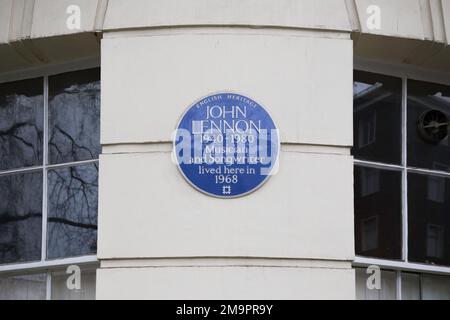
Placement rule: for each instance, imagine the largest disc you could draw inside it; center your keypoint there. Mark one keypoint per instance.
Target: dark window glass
(74, 116)
(21, 123)
(72, 211)
(20, 217)
(377, 117)
(429, 219)
(428, 114)
(378, 213)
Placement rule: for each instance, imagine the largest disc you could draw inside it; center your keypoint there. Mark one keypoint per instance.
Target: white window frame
(44, 265)
(403, 72)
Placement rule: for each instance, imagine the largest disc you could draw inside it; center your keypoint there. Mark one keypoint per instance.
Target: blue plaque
(226, 145)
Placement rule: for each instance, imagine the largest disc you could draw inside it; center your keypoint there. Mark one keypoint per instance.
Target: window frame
(405, 73)
(44, 265)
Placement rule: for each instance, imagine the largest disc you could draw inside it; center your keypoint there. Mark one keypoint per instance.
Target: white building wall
(148, 212)
(303, 79)
(227, 282)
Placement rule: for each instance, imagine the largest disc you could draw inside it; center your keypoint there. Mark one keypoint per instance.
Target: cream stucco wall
(148, 212)
(217, 281)
(299, 76)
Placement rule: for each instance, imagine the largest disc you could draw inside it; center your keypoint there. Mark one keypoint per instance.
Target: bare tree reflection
(72, 212)
(74, 116)
(21, 124)
(20, 217)
(74, 135)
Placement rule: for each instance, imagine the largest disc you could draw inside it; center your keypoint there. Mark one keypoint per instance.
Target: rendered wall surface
(301, 79)
(234, 282)
(148, 212)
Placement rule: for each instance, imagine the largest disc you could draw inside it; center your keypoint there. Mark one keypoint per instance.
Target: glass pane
(429, 219)
(410, 286)
(20, 217)
(24, 287)
(388, 290)
(60, 290)
(378, 213)
(377, 102)
(74, 116)
(428, 114)
(21, 123)
(435, 287)
(72, 211)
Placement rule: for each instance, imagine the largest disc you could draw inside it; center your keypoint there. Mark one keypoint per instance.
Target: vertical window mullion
(404, 171)
(44, 174)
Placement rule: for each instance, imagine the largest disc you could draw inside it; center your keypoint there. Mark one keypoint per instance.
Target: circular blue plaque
(226, 145)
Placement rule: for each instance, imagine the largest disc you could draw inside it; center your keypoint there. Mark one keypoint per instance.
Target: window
(49, 147)
(402, 182)
(435, 241)
(414, 286)
(424, 97)
(377, 118)
(428, 219)
(436, 189)
(378, 212)
(23, 287)
(367, 130)
(369, 234)
(370, 181)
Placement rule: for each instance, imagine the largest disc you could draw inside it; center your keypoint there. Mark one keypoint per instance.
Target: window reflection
(377, 117)
(72, 211)
(436, 189)
(424, 98)
(21, 123)
(20, 217)
(367, 130)
(369, 233)
(370, 181)
(23, 287)
(429, 219)
(425, 287)
(413, 286)
(435, 287)
(410, 283)
(74, 116)
(378, 213)
(435, 241)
